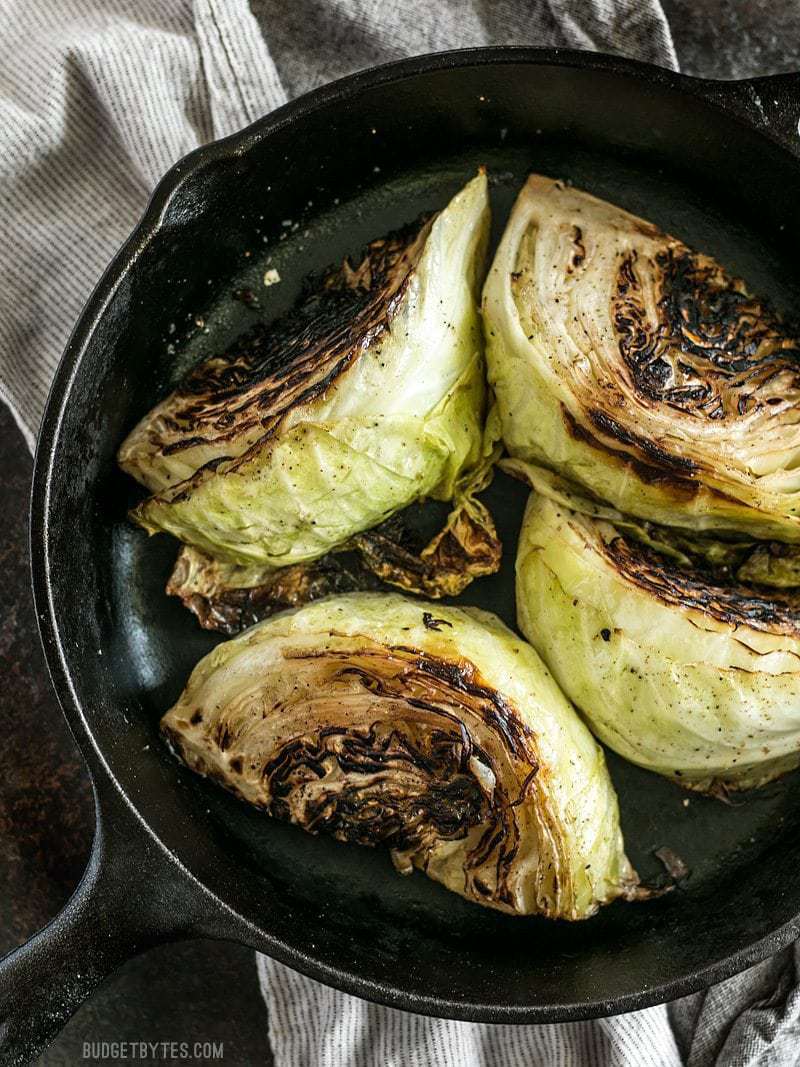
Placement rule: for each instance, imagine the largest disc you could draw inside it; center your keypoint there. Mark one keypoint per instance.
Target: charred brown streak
(409, 781)
(767, 610)
(579, 249)
(611, 428)
(461, 677)
(406, 793)
(447, 687)
(297, 357)
(666, 474)
(714, 350)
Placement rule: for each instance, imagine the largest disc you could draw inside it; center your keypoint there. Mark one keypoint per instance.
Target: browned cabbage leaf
(229, 597)
(311, 432)
(641, 370)
(431, 730)
(681, 659)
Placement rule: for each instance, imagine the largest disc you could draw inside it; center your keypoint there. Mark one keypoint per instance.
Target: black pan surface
(296, 192)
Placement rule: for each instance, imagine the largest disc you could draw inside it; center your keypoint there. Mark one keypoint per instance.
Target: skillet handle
(771, 104)
(131, 897)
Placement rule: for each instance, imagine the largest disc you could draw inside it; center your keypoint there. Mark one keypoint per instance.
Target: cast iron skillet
(175, 857)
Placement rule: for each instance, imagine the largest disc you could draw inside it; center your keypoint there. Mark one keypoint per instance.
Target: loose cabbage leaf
(432, 730)
(229, 597)
(641, 370)
(675, 662)
(369, 396)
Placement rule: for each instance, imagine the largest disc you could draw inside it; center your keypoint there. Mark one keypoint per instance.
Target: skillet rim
(714, 93)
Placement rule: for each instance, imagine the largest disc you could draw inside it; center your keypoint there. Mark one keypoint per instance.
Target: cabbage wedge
(677, 660)
(367, 397)
(431, 730)
(638, 368)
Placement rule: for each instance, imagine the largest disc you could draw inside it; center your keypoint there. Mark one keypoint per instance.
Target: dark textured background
(200, 990)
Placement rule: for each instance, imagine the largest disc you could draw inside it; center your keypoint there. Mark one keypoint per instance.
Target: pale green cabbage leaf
(370, 399)
(674, 661)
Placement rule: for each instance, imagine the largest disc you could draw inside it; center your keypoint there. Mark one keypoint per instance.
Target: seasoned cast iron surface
(716, 842)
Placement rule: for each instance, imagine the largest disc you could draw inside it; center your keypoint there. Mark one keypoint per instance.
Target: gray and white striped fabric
(752, 1020)
(97, 99)
(311, 1025)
